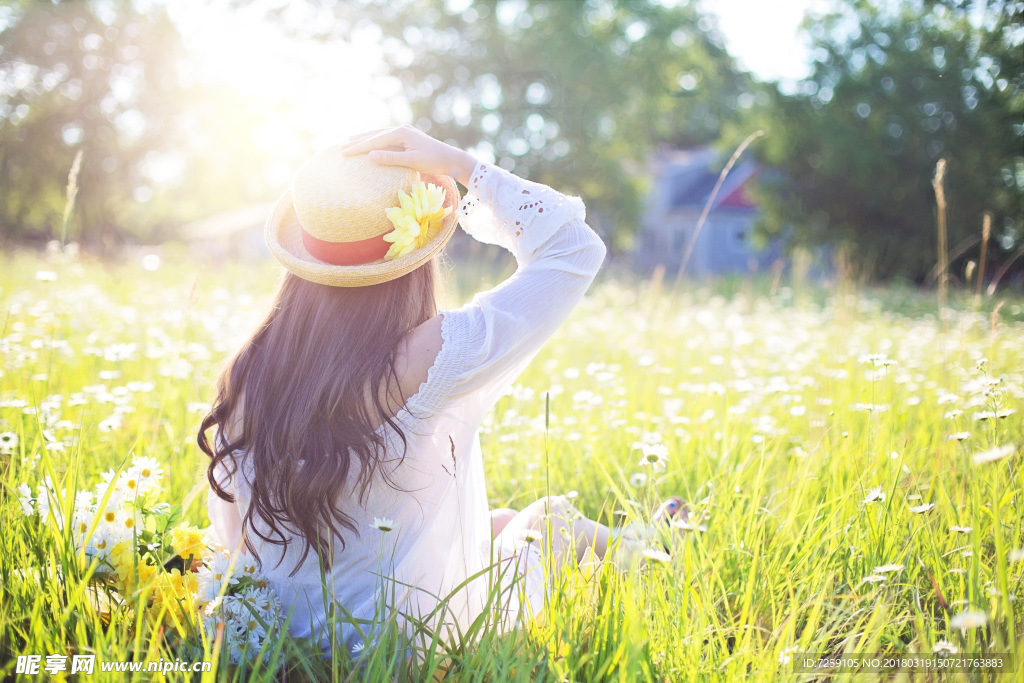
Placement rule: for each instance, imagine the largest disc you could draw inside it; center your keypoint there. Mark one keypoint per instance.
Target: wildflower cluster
(172, 570)
(233, 592)
(107, 522)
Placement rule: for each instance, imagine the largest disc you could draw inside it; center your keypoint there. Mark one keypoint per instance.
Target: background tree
(572, 94)
(112, 79)
(896, 86)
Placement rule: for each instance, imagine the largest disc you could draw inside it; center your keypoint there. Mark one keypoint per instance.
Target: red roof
(739, 198)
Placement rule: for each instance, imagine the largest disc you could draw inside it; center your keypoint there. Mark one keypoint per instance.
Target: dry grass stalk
(69, 200)
(1004, 270)
(940, 201)
(711, 201)
(986, 231)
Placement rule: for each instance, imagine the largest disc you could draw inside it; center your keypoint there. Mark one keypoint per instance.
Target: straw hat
(329, 227)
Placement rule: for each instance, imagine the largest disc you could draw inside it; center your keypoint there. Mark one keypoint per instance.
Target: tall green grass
(783, 412)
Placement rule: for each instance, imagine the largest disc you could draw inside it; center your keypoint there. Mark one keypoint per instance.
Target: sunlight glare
(310, 93)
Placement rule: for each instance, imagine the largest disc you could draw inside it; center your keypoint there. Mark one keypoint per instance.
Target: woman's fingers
(393, 136)
(386, 157)
(412, 148)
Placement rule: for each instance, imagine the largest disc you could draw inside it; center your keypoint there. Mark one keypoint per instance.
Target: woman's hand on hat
(417, 150)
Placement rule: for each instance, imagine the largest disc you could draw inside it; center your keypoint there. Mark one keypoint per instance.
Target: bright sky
(763, 35)
(332, 90)
(329, 90)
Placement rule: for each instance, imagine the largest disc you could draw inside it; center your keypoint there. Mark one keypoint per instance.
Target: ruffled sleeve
(488, 342)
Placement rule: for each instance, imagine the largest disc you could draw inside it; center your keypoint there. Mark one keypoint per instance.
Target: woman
(346, 444)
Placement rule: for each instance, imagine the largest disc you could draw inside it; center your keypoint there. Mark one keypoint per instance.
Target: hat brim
(284, 239)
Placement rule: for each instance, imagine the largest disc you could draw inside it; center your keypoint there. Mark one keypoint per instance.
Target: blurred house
(682, 183)
(235, 234)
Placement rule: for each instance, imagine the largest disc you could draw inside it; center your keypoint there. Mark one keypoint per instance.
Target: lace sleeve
(488, 342)
(517, 214)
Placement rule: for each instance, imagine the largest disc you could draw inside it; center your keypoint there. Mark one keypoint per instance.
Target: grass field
(854, 472)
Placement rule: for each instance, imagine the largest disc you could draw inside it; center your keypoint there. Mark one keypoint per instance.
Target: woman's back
(420, 529)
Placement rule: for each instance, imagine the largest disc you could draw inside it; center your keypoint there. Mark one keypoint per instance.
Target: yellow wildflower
(174, 596)
(188, 540)
(417, 220)
(123, 557)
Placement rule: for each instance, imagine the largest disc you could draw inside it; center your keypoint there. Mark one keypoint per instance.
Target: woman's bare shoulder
(416, 355)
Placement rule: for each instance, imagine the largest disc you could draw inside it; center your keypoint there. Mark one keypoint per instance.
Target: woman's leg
(500, 517)
(570, 532)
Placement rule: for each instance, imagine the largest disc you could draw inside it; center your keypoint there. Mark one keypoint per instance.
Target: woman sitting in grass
(346, 455)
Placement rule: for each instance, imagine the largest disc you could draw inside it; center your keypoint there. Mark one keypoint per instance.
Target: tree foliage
(573, 94)
(113, 80)
(895, 87)
(89, 76)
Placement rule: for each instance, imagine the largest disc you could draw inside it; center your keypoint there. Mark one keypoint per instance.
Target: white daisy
(993, 415)
(657, 556)
(784, 656)
(259, 599)
(129, 481)
(83, 501)
(46, 498)
(944, 647)
(969, 619)
(112, 484)
(531, 536)
(8, 442)
(993, 454)
(875, 494)
(124, 529)
(921, 509)
(873, 578)
(888, 568)
(655, 455)
(212, 575)
(961, 529)
(81, 522)
(148, 471)
(111, 423)
(638, 480)
(101, 543)
(247, 567)
(26, 500)
(383, 523)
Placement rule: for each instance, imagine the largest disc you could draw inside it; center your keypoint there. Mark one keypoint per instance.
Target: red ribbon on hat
(353, 253)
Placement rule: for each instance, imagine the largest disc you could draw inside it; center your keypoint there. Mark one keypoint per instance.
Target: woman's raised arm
(483, 346)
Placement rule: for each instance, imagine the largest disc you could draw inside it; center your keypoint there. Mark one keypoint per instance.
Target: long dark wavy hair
(312, 384)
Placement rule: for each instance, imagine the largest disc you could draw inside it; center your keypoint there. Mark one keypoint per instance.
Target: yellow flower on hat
(417, 220)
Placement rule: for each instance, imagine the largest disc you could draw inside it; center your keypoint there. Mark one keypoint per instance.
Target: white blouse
(441, 547)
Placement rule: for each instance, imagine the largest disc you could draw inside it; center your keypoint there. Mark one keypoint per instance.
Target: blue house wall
(683, 182)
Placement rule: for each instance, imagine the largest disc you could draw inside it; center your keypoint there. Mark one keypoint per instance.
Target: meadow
(852, 464)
